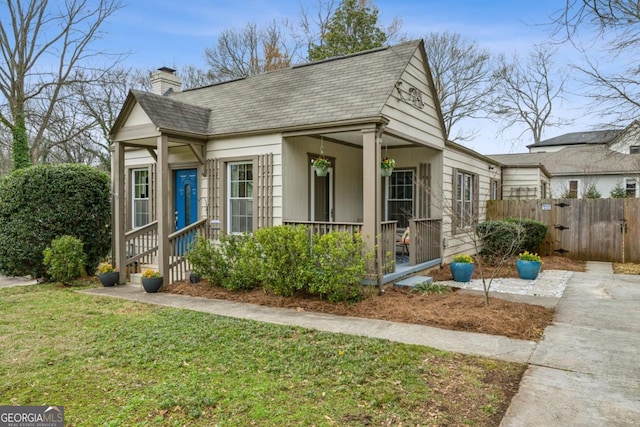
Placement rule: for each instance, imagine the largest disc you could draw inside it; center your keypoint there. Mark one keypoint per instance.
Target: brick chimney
(165, 81)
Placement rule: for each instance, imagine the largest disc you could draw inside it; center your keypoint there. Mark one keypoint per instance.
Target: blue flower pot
(528, 270)
(462, 271)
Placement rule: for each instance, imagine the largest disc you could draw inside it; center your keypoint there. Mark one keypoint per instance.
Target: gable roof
(168, 113)
(576, 160)
(580, 138)
(348, 88)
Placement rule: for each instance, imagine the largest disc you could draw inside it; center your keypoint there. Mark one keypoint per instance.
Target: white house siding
(463, 240)
(604, 183)
(630, 136)
(420, 124)
(248, 147)
(547, 149)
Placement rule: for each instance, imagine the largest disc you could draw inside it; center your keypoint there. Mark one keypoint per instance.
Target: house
(578, 165)
(236, 156)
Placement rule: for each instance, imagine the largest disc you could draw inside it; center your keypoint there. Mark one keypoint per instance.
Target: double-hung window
(140, 191)
(631, 187)
(240, 197)
(400, 191)
(464, 199)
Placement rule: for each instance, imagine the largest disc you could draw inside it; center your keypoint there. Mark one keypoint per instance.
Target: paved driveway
(586, 370)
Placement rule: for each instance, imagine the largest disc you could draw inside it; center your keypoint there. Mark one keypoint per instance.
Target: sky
(175, 33)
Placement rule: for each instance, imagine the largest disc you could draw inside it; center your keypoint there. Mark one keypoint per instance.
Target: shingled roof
(168, 113)
(580, 138)
(578, 160)
(344, 88)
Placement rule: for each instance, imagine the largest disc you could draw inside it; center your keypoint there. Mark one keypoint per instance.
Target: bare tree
(249, 51)
(462, 75)
(43, 46)
(611, 27)
(526, 91)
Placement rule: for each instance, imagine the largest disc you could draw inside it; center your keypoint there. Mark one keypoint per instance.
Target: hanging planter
(321, 166)
(386, 166)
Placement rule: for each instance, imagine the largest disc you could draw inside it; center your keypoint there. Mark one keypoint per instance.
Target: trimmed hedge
(534, 233)
(500, 238)
(41, 203)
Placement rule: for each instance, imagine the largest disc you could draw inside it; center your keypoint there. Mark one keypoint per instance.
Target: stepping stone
(413, 281)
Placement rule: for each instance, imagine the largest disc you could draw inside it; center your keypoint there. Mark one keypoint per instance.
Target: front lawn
(113, 362)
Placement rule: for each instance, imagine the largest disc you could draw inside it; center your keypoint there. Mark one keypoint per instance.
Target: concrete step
(413, 281)
(136, 278)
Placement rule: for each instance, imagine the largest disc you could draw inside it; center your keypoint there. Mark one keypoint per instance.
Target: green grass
(112, 362)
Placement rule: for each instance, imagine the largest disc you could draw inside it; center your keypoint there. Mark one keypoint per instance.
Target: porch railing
(425, 236)
(179, 243)
(388, 244)
(324, 227)
(141, 246)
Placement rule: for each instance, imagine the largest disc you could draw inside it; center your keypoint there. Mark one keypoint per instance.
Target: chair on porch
(402, 246)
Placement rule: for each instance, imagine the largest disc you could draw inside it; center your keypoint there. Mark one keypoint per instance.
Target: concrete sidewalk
(585, 371)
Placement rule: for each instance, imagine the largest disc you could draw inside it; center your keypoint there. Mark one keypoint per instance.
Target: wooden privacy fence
(581, 229)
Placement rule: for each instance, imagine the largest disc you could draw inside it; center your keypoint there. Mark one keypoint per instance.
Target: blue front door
(186, 199)
(186, 206)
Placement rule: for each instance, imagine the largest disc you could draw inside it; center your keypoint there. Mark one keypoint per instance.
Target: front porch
(424, 244)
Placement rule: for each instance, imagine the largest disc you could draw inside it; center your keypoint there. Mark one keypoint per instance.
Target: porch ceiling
(354, 137)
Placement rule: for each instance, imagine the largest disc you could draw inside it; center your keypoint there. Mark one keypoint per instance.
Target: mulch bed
(454, 310)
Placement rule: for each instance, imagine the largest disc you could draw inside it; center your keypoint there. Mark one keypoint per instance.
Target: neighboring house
(574, 165)
(239, 154)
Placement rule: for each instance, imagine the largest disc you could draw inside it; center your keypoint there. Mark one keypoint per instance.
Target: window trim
(459, 223)
(577, 193)
(227, 195)
(636, 185)
(387, 184)
(134, 199)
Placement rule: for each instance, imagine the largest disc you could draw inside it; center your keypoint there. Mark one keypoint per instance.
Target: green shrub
(242, 257)
(592, 192)
(208, 261)
(339, 266)
(286, 260)
(41, 203)
(618, 191)
(65, 259)
(500, 239)
(534, 233)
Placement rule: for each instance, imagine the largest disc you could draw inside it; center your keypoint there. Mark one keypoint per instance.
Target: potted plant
(462, 267)
(386, 166)
(107, 274)
(151, 280)
(321, 165)
(528, 265)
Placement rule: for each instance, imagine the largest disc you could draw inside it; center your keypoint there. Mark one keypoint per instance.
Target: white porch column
(118, 211)
(163, 200)
(372, 196)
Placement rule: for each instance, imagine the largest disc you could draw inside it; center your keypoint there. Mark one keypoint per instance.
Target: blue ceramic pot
(462, 271)
(528, 270)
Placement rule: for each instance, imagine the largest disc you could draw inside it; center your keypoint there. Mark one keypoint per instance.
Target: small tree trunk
(20, 154)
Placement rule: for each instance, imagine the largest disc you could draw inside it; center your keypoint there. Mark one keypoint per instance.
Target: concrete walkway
(6, 281)
(586, 370)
